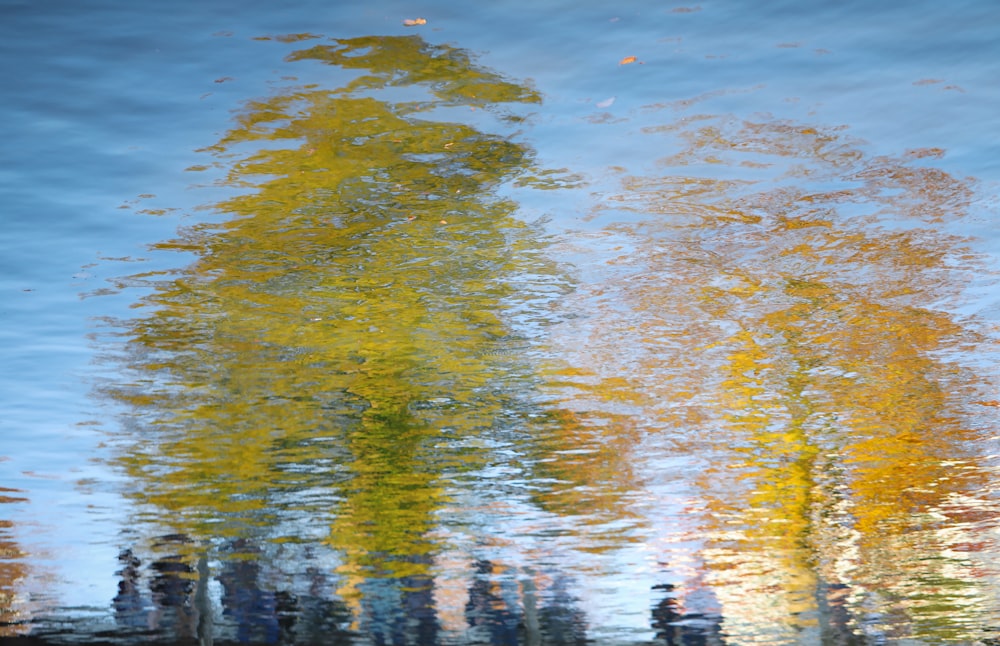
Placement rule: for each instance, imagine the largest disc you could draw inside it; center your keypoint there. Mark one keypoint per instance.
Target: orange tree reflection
(783, 302)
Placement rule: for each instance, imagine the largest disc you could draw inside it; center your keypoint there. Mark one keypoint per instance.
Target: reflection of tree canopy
(339, 334)
(781, 305)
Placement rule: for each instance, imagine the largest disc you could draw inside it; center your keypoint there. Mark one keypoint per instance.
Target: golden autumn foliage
(781, 313)
(338, 340)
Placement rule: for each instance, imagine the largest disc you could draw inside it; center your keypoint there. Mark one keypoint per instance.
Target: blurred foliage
(779, 314)
(341, 333)
(349, 345)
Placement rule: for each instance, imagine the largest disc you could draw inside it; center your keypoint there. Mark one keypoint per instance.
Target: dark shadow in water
(508, 612)
(167, 598)
(171, 599)
(677, 627)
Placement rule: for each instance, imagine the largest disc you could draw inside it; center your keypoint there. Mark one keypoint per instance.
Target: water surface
(322, 326)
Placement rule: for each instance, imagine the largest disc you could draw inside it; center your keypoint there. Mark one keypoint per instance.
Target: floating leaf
(413, 22)
(627, 60)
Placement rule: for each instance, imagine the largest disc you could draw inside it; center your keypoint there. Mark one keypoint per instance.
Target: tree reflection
(786, 305)
(13, 571)
(309, 395)
(319, 371)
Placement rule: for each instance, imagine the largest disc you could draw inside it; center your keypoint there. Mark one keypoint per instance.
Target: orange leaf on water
(627, 60)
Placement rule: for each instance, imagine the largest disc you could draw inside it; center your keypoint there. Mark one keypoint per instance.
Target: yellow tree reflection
(340, 333)
(784, 302)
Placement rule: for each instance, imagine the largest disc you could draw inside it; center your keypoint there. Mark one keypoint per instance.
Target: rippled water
(533, 323)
